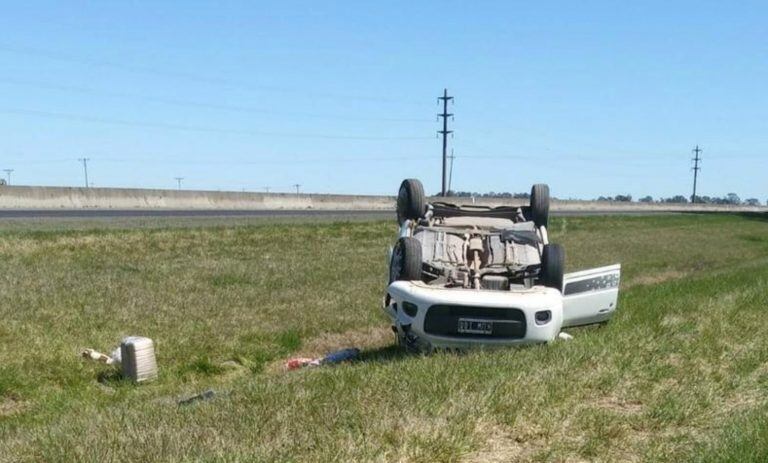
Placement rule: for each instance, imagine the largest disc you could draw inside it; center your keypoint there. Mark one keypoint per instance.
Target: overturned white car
(461, 276)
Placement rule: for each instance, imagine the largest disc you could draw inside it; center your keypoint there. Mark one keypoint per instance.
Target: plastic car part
(138, 359)
(411, 202)
(540, 204)
(406, 260)
(552, 266)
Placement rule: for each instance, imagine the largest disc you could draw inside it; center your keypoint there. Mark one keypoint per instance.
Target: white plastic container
(137, 358)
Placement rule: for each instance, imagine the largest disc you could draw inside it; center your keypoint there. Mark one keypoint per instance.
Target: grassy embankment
(679, 374)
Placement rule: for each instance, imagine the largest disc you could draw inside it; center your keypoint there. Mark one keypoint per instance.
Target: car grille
(443, 320)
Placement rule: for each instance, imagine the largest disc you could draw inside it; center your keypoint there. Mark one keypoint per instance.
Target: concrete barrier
(32, 197)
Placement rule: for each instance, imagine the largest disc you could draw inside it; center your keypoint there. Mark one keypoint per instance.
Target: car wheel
(411, 202)
(540, 204)
(406, 260)
(552, 266)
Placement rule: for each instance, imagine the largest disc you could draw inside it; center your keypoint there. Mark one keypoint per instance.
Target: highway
(127, 213)
(282, 213)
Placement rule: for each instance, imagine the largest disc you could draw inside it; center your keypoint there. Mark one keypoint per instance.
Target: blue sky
(594, 98)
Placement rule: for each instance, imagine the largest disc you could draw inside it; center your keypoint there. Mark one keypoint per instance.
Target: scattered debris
(330, 359)
(104, 388)
(341, 356)
(300, 362)
(92, 354)
(564, 336)
(205, 395)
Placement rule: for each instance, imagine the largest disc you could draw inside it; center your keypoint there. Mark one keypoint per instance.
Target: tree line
(729, 199)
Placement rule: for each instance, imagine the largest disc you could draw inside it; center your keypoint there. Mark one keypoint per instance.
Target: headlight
(543, 317)
(410, 309)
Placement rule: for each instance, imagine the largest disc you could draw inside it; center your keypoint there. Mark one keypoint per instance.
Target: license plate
(474, 326)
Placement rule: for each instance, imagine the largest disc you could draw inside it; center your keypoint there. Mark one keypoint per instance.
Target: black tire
(406, 260)
(540, 204)
(552, 266)
(411, 202)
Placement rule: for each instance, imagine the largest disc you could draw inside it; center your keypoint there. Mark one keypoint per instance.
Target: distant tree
(716, 200)
(752, 202)
(733, 198)
(678, 199)
(604, 198)
(623, 198)
(646, 199)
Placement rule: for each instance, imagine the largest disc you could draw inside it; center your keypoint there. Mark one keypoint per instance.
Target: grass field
(680, 374)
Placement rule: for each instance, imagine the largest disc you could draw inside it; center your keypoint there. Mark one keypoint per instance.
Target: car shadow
(384, 354)
(393, 353)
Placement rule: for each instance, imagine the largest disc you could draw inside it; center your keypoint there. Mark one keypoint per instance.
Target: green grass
(678, 375)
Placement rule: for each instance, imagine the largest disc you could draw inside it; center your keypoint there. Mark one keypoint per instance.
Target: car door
(590, 296)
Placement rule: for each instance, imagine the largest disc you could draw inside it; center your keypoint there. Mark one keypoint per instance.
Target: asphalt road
(128, 213)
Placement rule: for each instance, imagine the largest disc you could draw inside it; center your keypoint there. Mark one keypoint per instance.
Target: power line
(85, 169)
(219, 162)
(178, 180)
(191, 128)
(280, 159)
(200, 104)
(57, 56)
(445, 98)
(8, 172)
(696, 170)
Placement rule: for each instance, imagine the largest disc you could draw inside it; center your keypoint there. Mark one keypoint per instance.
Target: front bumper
(426, 317)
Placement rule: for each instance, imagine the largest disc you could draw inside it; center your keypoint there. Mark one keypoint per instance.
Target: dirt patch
(11, 406)
(655, 278)
(619, 405)
(501, 445)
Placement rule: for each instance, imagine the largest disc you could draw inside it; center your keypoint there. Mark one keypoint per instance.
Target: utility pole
(8, 171)
(297, 188)
(178, 180)
(450, 175)
(266, 189)
(696, 170)
(85, 169)
(445, 115)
